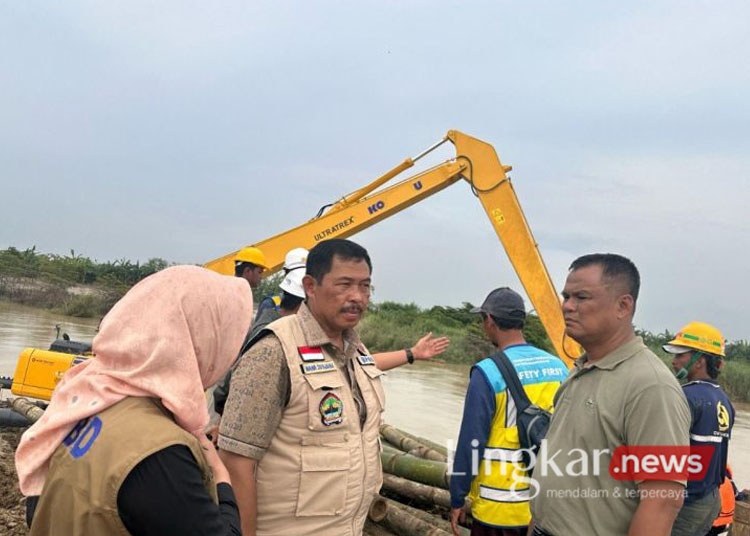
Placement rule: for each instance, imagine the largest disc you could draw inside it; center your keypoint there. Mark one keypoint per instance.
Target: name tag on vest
(311, 353)
(315, 368)
(365, 359)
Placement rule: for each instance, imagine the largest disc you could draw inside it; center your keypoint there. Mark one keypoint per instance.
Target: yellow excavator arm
(476, 162)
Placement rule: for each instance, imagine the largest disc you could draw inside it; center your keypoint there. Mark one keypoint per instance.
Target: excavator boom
(477, 163)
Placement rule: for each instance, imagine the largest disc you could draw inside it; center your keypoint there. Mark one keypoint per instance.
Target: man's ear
(309, 284)
(625, 306)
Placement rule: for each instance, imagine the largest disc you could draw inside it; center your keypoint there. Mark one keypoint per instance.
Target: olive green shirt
(629, 397)
(260, 387)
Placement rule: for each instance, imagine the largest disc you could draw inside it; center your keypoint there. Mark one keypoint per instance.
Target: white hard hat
(296, 258)
(292, 283)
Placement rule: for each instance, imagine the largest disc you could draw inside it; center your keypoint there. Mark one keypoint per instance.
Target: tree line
(75, 268)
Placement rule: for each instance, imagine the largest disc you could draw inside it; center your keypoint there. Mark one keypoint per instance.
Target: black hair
(320, 258)
(506, 323)
(239, 267)
(289, 302)
(712, 365)
(613, 267)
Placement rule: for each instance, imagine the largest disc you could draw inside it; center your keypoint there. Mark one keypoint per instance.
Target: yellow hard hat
(697, 336)
(253, 255)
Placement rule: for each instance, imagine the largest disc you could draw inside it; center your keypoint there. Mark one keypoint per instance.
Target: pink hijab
(171, 336)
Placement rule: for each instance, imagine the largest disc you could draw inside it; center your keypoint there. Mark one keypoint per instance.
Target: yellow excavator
(476, 162)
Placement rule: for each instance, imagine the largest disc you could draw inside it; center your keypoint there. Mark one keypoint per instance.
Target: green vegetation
(71, 284)
(269, 286)
(390, 325)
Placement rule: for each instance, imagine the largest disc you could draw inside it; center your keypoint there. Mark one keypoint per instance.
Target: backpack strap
(512, 383)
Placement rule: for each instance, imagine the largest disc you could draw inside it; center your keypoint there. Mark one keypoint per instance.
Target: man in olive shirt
(619, 394)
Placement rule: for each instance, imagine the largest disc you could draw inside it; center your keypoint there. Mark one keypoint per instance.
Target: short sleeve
(257, 396)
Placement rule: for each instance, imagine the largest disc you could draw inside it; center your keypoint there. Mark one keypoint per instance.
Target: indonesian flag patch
(311, 353)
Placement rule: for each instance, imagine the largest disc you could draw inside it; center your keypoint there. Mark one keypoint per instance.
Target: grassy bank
(70, 284)
(390, 325)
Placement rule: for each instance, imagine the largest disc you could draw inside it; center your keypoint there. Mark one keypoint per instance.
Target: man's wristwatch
(409, 355)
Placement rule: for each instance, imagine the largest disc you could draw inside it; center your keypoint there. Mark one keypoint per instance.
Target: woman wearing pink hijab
(121, 448)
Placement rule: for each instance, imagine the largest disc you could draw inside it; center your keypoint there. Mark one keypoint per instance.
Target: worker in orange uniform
(698, 350)
(727, 494)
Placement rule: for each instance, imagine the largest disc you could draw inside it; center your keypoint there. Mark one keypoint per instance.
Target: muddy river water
(425, 399)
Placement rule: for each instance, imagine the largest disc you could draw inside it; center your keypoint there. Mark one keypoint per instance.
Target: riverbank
(72, 284)
(84, 301)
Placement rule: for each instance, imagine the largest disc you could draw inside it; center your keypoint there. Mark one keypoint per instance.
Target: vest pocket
(374, 375)
(323, 481)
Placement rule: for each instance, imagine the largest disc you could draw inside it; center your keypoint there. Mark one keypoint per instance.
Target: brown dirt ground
(12, 503)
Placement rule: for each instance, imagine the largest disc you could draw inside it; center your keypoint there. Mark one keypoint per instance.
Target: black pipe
(11, 419)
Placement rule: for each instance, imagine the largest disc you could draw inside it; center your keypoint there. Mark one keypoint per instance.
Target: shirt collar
(614, 358)
(712, 383)
(516, 345)
(314, 334)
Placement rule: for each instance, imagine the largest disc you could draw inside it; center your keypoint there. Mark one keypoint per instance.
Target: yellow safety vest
(498, 497)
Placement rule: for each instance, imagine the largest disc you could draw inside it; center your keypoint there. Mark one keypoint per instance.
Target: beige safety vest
(322, 469)
(86, 471)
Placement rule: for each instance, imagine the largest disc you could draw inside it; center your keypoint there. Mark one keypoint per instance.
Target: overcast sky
(185, 130)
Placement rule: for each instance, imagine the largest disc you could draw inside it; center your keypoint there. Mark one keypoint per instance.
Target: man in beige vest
(302, 445)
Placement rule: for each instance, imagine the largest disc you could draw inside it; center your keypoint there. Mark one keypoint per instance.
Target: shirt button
(310, 426)
(346, 437)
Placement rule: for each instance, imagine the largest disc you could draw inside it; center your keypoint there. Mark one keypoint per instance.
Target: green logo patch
(331, 410)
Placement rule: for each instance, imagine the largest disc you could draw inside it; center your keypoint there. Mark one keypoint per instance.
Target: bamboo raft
(414, 500)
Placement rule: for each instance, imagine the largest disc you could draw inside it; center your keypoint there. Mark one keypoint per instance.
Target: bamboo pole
(405, 465)
(422, 440)
(373, 529)
(400, 521)
(428, 517)
(29, 410)
(415, 490)
(398, 438)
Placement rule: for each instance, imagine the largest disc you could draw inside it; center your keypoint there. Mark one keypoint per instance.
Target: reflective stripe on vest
(706, 438)
(503, 495)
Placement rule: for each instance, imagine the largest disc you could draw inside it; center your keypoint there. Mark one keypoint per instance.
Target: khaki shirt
(628, 397)
(260, 388)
